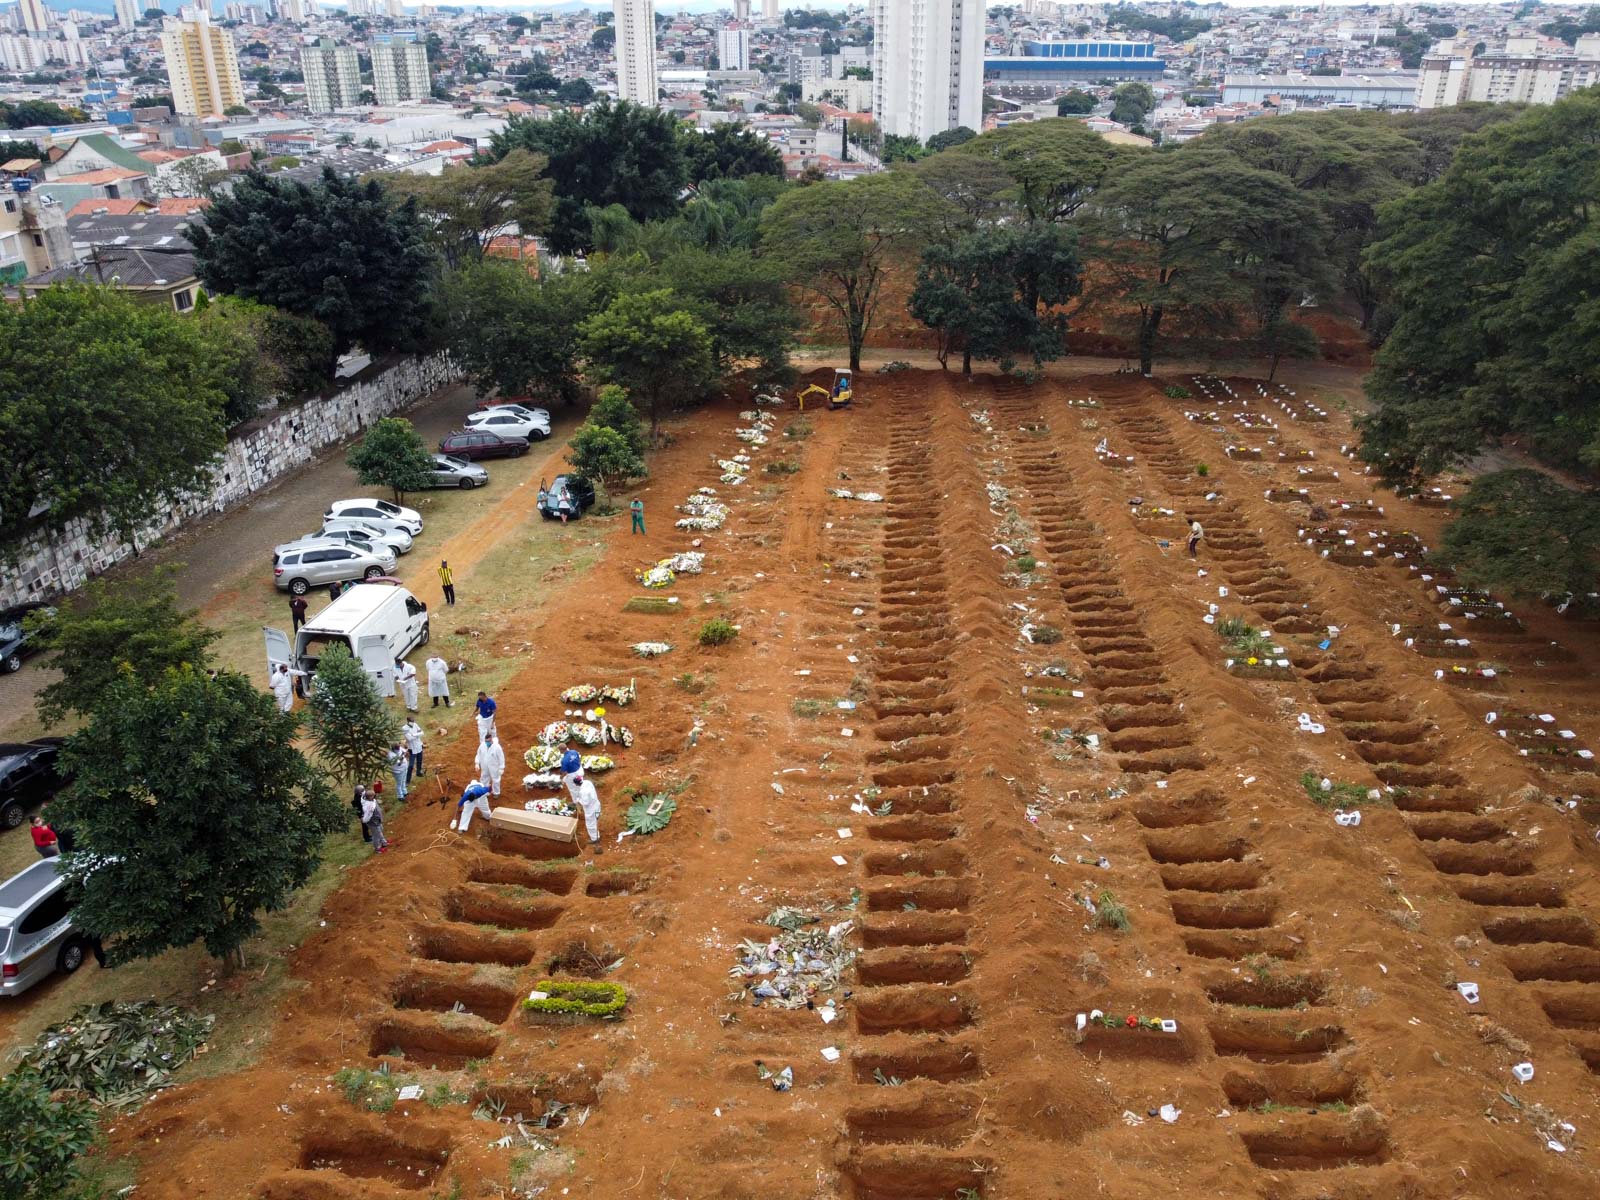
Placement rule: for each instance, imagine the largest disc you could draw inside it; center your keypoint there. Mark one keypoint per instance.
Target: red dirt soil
(1322, 1048)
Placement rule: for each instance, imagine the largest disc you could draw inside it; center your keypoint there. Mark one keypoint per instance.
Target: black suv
(28, 777)
(576, 491)
(15, 643)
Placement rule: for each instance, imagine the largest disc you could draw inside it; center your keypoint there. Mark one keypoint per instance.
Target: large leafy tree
(729, 151)
(1492, 272)
(613, 153)
(742, 301)
(194, 813)
(350, 726)
(338, 251)
(840, 239)
(467, 207)
(517, 334)
(262, 352)
(116, 632)
(1189, 243)
(1526, 534)
(108, 407)
(602, 453)
(1054, 165)
(392, 455)
(648, 344)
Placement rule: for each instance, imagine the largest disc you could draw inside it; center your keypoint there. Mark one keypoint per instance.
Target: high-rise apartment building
(400, 68)
(202, 67)
(1515, 73)
(35, 18)
(333, 76)
(733, 49)
(293, 11)
(770, 13)
(395, 9)
(127, 13)
(927, 66)
(636, 51)
(741, 10)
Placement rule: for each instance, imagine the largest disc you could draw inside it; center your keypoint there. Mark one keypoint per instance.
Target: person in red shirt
(44, 839)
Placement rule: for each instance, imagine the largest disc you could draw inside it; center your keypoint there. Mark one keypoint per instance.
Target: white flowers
(651, 649)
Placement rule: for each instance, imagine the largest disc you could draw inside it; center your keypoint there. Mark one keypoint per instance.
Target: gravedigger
(839, 397)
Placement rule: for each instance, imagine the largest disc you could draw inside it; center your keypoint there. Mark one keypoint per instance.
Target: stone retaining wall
(51, 566)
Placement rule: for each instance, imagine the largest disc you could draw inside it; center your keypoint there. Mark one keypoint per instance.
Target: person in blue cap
(571, 768)
(476, 797)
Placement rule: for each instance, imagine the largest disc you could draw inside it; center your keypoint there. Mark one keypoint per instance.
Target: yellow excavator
(839, 397)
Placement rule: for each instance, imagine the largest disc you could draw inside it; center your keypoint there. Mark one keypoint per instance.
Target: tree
(839, 239)
(132, 629)
(619, 153)
(1188, 242)
(1075, 103)
(193, 176)
(1525, 534)
(575, 91)
(604, 454)
(260, 353)
(1491, 271)
(1131, 103)
(514, 333)
(237, 110)
(46, 1133)
(946, 138)
(729, 151)
(1055, 165)
(902, 149)
(337, 251)
(23, 114)
(10, 150)
(741, 300)
(604, 38)
(194, 813)
(646, 343)
(392, 455)
(349, 724)
(76, 364)
(613, 410)
(467, 207)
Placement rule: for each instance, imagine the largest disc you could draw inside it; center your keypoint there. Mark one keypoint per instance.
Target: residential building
(127, 13)
(733, 49)
(1064, 63)
(35, 17)
(741, 10)
(1517, 72)
(333, 76)
(1375, 89)
(636, 51)
(927, 65)
(202, 67)
(23, 53)
(293, 11)
(770, 12)
(400, 69)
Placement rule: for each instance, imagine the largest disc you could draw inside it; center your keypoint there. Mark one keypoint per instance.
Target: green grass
(809, 709)
(1026, 563)
(659, 605)
(718, 632)
(1340, 795)
(1110, 913)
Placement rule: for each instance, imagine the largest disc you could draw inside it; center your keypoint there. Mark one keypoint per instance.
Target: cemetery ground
(1031, 799)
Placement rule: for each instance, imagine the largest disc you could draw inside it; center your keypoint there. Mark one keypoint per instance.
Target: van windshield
(313, 645)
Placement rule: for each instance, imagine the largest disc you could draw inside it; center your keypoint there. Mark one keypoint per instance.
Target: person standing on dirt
(44, 839)
(637, 509)
(411, 733)
(485, 708)
(399, 760)
(438, 680)
(474, 799)
(297, 612)
(571, 770)
(356, 802)
(372, 821)
(586, 798)
(405, 677)
(283, 687)
(491, 762)
(447, 580)
(1195, 534)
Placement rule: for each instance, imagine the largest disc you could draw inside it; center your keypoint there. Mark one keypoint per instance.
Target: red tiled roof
(105, 175)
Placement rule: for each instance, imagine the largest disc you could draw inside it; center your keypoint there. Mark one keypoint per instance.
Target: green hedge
(578, 998)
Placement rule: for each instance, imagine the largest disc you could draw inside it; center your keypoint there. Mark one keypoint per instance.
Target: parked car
(533, 424)
(480, 443)
(341, 537)
(375, 512)
(576, 491)
(395, 538)
(28, 777)
(510, 406)
(384, 555)
(449, 471)
(37, 937)
(15, 641)
(297, 571)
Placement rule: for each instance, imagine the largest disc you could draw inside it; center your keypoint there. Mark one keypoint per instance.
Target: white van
(378, 622)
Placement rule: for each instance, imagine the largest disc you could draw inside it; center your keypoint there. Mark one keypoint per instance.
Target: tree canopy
(648, 344)
(467, 207)
(1054, 165)
(729, 151)
(392, 455)
(337, 251)
(515, 333)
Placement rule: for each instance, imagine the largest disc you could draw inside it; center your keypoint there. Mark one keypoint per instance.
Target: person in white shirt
(438, 680)
(491, 762)
(399, 759)
(586, 798)
(405, 678)
(372, 822)
(283, 687)
(411, 734)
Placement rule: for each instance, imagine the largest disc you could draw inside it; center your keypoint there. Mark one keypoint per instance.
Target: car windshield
(9, 630)
(445, 460)
(384, 506)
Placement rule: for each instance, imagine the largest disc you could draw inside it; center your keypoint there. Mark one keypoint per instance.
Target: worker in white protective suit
(474, 799)
(587, 799)
(491, 762)
(438, 680)
(405, 678)
(283, 687)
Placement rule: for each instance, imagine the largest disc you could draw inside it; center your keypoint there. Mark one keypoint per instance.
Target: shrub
(1046, 635)
(718, 632)
(1109, 913)
(798, 430)
(578, 998)
(809, 709)
(782, 466)
(1202, 470)
(44, 1137)
(1174, 391)
(1026, 563)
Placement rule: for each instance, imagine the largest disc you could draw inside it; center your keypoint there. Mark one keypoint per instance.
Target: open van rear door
(373, 651)
(278, 650)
